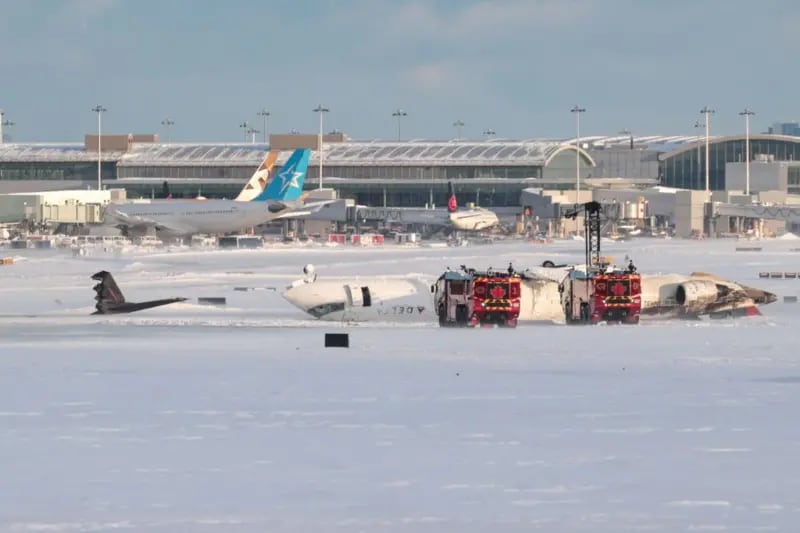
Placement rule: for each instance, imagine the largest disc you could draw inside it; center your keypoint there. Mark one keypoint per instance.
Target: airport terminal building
(491, 173)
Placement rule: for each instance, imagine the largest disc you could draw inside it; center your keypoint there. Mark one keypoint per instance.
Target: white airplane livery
(280, 199)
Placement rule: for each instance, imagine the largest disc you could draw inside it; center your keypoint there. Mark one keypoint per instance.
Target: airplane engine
(696, 294)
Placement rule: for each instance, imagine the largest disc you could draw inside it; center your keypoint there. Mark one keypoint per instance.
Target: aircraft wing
(301, 210)
(173, 227)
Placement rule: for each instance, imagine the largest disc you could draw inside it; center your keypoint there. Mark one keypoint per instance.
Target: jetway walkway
(786, 213)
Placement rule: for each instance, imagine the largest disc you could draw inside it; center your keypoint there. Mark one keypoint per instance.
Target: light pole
(697, 125)
(252, 132)
(458, 125)
(626, 131)
(488, 132)
(707, 111)
(168, 122)
(321, 110)
(245, 126)
(399, 113)
(747, 113)
(99, 109)
(264, 114)
(3, 123)
(577, 110)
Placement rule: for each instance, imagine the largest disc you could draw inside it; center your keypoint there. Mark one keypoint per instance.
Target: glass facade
(68, 171)
(186, 171)
(686, 169)
(562, 166)
(793, 179)
(405, 195)
(183, 190)
(426, 172)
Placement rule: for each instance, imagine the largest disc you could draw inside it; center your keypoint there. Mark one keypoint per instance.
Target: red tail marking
(452, 205)
(752, 311)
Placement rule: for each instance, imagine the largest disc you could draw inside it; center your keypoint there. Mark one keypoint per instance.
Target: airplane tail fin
(108, 292)
(258, 181)
(452, 204)
(287, 185)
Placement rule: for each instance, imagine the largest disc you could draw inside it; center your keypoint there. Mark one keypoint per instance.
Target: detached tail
(259, 179)
(287, 185)
(108, 293)
(452, 204)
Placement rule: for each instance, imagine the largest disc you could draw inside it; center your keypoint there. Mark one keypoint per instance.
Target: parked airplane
(467, 219)
(378, 298)
(281, 199)
(111, 301)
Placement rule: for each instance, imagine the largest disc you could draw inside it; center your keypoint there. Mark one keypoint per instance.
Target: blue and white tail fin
(287, 185)
(259, 179)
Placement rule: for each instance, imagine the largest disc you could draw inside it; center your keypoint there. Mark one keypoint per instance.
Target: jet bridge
(783, 212)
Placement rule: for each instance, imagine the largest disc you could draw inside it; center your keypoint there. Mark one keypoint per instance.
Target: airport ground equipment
(471, 298)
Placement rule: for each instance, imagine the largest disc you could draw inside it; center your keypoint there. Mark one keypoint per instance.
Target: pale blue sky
(516, 66)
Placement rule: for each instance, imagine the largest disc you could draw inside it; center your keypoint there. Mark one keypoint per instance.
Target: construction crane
(591, 225)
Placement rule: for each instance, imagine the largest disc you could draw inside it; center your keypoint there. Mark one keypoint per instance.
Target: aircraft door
(354, 296)
(358, 298)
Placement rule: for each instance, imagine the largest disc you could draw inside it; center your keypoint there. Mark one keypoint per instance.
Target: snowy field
(193, 418)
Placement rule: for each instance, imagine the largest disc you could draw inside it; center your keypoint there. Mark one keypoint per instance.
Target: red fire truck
(471, 298)
(612, 296)
(600, 293)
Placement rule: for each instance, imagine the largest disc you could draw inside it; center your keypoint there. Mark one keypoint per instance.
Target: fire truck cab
(471, 298)
(608, 295)
(600, 292)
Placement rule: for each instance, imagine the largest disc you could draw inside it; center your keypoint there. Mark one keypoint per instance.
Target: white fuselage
(407, 299)
(410, 299)
(193, 217)
(473, 219)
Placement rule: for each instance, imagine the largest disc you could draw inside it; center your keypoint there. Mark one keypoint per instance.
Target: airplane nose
(295, 295)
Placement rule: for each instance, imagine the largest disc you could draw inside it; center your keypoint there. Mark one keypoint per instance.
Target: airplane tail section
(287, 185)
(108, 293)
(110, 299)
(258, 181)
(452, 204)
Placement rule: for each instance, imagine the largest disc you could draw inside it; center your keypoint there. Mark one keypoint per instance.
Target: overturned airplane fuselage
(410, 299)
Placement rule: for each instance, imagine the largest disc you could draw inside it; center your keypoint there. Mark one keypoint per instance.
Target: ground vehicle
(469, 298)
(600, 293)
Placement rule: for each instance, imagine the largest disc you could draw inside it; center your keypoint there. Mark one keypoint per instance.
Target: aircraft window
(324, 309)
(366, 296)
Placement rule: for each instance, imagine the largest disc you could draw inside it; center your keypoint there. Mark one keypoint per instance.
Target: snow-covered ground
(193, 418)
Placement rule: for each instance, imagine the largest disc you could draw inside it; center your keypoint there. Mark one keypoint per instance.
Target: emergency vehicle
(600, 292)
(470, 298)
